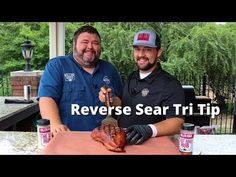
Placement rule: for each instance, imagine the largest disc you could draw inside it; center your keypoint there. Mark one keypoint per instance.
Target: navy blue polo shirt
(68, 83)
(157, 89)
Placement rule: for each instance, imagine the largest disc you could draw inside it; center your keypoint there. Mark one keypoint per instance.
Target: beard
(86, 58)
(145, 66)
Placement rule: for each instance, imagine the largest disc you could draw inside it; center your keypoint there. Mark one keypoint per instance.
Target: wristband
(154, 130)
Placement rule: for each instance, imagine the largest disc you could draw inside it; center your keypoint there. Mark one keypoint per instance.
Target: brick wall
(20, 78)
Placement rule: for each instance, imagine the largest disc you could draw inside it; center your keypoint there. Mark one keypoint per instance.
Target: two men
(77, 79)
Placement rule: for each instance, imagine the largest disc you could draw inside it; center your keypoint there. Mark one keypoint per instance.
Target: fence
(225, 120)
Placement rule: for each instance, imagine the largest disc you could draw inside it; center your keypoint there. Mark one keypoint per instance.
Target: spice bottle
(186, 138)
(44, 133)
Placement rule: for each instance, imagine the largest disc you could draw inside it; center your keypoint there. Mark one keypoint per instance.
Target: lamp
(27, 51)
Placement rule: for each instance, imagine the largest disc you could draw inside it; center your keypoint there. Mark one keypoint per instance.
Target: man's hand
(55, 129)
(102, 94)
(137, 134)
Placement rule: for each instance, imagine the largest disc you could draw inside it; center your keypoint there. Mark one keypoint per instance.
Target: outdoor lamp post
(27, 51)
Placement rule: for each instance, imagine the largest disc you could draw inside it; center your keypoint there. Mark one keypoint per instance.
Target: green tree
(12, 34)
(9, 51)
(38, 33)
(209, 49)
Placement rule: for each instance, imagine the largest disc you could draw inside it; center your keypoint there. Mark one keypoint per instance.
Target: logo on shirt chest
(69, 77)
(145, 92)
(107, 80)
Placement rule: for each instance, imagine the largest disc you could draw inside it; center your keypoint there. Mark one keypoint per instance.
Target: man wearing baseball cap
(150, 86)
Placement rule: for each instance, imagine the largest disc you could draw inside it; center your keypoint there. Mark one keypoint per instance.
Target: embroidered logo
(69, 77)
(145, 92)
(143, 36)
(106, 80)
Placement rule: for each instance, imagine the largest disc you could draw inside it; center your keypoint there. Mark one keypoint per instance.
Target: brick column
(21, 78)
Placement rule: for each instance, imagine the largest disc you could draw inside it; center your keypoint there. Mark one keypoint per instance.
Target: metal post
(204, 84)
(27, 65)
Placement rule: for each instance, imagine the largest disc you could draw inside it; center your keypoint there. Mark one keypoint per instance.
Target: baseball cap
(146, 37)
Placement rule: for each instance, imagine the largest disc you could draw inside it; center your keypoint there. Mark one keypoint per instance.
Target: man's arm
(49, 110)
(169, 126)
(138, 134)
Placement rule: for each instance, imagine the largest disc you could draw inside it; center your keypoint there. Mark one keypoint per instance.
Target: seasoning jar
(186, 138)
(44, 133)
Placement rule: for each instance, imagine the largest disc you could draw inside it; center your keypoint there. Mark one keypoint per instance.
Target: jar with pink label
(186, 138)
(44, 133)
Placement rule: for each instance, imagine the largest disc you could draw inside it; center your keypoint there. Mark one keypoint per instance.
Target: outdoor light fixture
(27, 51)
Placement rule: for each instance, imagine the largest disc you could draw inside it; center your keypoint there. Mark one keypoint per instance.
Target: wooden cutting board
(81, 143)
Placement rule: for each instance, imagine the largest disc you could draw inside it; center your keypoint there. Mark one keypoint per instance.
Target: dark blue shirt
(68, 83)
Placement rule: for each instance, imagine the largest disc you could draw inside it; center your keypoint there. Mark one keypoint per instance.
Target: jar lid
(42, 122)
(187, 126)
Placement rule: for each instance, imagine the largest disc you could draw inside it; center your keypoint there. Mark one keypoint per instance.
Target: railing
(225, 120)
(5, 86)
